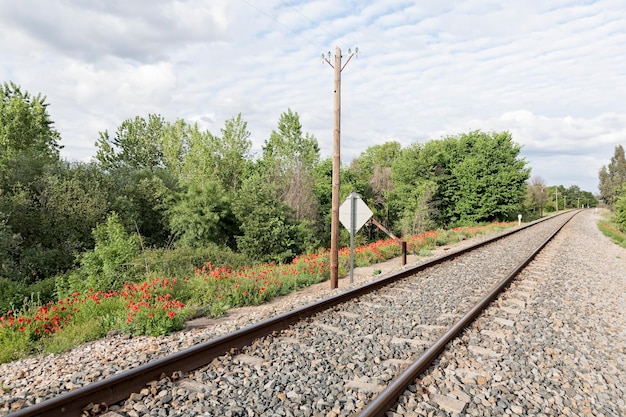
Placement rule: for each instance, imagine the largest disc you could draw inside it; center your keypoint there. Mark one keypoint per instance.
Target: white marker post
(353, 214)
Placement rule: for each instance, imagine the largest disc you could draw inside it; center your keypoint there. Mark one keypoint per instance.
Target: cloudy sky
(551, 72)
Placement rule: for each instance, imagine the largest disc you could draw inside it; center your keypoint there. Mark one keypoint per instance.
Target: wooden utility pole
(556, 197)
(336, 182)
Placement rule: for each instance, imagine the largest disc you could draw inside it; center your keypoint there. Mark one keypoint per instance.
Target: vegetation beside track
(613, 231)
(162, 305)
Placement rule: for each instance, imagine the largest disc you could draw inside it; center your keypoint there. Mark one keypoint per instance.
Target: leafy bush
(11, 294)
(14, 295)
(181, 262)
(106, 267)
(620, 209)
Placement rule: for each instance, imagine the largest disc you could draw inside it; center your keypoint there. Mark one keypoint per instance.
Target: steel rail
(387, 398)
(113, 389)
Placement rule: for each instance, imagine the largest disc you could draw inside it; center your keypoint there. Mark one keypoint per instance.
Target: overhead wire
(282, 24)
(359, 72)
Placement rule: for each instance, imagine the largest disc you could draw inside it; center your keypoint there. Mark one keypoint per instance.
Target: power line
(358, 71)
(309, 19)
(283, 25)
(391, 92)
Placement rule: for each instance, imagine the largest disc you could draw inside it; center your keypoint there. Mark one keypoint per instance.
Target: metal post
(352, 233)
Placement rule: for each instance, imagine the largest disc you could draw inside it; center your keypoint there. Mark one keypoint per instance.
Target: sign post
(353, 214)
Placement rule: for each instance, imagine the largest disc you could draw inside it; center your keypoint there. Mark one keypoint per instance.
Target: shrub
(14, 295)
(105, 267)
(11, 294)
(181, 262)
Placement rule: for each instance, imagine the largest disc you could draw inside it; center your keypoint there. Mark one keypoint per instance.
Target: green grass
(159, 306)
(425, 252)
(612, 231)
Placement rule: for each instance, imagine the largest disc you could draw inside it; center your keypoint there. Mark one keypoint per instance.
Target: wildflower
(171, 314)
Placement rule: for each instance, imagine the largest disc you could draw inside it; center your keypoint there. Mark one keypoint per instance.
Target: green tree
(26, 129)
(289, 159)
(613, 177)
(268, 233)
(136, 144)
(491, 178)
(620, 208)
(202, 214)
(142, 198)
(210, 175)
(233, 159)
(473, 177)
(286, 177)
(571, 197)
(537, 194)
(10, 244)
(198, 161)
(53, 214)
(414, 174)
(72, 200)
(587, 199)
(373, 180)
(173, 177)
(322, 190)
(29, 144)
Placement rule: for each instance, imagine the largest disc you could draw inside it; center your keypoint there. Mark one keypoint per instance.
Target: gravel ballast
(553, 345)
(333, 363)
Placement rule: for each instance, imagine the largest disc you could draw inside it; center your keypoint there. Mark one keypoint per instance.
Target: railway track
(355, 352)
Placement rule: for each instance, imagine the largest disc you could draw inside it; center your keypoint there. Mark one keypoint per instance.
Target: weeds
(612, 231)
(160, 306)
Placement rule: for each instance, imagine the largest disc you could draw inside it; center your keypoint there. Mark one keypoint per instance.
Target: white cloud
(551, 73)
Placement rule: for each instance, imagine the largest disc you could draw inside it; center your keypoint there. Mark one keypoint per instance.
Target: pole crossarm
(326, 58)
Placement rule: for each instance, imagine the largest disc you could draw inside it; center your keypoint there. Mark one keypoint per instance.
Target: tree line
(612, 180)
(160, 191)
